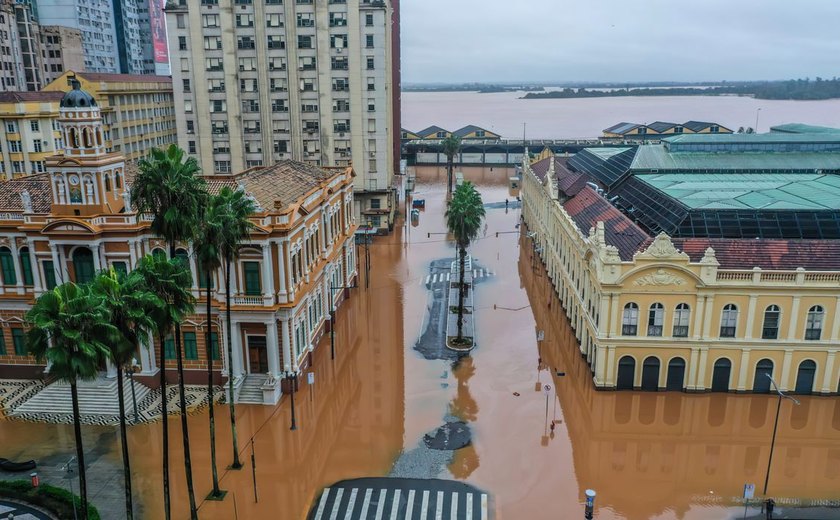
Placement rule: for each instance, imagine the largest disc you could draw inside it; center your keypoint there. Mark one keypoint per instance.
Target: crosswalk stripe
(366, 503)
(484, 506)
(447, 277)
(439, 506)
(380, 506)
(395, 504)
(469, 506)
(410, 507)
(454, 513)
(428, 277)
(337, 504)
(322, 504)
(425, 506)
(474, 275)
(434, 278)
(349, 514)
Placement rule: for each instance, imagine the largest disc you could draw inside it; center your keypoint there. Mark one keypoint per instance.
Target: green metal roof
(657, 157)
(800, 128)
(749, 190)
(606, 153)
(820, 137)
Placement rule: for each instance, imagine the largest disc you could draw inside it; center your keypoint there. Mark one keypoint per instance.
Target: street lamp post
(131, 370)
(290, 377)
(775, 427)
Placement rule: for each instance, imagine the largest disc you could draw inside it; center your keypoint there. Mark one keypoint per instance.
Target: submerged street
(665, 455)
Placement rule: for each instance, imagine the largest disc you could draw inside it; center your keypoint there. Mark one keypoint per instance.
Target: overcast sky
(618, 40)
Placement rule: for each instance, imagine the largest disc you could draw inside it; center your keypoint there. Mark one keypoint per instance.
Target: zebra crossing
(400, 499)
(442, 278)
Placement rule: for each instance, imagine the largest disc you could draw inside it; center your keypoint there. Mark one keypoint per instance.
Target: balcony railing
(727, 332)
(680, 331)
(629, 330)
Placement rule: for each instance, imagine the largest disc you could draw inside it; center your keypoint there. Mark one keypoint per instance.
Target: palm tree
(207, 251)
(235, 226)
(170, 281)
(128, 303)
(464, 214)
(451, 145)
(66, 327)
(168, 186)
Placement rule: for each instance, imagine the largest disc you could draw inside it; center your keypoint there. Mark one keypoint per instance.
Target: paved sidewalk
(21, 512)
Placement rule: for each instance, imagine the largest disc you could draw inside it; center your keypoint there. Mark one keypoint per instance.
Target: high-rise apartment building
(62, 51)
(12, 75)
(95, 19)
(262, 81)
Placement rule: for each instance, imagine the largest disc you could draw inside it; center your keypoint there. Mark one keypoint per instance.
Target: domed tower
(86, 179)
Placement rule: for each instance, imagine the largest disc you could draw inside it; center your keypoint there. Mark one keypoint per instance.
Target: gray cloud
(616, 40)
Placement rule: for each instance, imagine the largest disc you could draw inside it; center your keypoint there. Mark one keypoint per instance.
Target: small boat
(10, 466)
(418, 203)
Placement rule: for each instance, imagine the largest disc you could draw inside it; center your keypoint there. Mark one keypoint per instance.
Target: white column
(829, 370)
(783, 380)
(600, 365)
(691, 384)
(610, 382)
(59, 277)
(750, 317)
(237, 350)
(36, 268)
(835, 326)
(132, 254)
(708, 310)
(794, 319)
(701, 369)
(97, 261)
(273, 348)
(194, 272)
(742, 372)
(286, 342)
(615, 315)
(282, 265)
(16, 263)
(147, 356)
(699, 310)
(267, 274)
(110, 369)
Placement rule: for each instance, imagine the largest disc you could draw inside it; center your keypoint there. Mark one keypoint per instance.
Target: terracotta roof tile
(37, 185)
(42, 96)
(746, 253)
(284, 182)
(588, 208)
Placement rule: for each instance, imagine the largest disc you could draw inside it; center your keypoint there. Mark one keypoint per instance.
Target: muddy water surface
(649, 455)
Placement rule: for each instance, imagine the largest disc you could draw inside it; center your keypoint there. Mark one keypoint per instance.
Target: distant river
(504, 113)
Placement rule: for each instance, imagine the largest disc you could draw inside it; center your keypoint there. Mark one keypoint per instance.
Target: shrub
(56, 500)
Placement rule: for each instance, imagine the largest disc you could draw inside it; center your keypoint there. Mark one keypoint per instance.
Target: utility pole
(775, 427)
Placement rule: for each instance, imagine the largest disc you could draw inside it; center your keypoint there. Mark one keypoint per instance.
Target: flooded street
(648, 455)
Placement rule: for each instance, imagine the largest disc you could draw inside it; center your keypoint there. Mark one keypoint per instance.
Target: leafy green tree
(207, 252)
(170, 281)
(66, 328)
(451, 146)
(236, 227)
(464, 215)
(168, 186)
(128, 303)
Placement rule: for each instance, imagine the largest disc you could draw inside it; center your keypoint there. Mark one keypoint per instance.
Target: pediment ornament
(658, 278)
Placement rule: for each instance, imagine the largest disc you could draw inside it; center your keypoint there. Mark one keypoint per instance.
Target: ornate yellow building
(68, 223)
(690, 313)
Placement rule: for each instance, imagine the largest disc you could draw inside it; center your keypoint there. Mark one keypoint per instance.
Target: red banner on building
(158, 21)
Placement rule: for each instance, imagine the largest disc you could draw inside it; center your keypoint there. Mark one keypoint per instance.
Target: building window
(371, 84)
(14, 146)
(182, 43)
(252, 278)
(2, 335)
(209, 20)
(121, 268)
(169, 347)
(11, 127)
(221, 166)
(656, 318)
(181, 21)
(214, 345)
(630, 320)
(191, 147)
(186, 84)
(36, 146)
(190, 346)
(814, 323)
(304, 42)
(273, 20)
(212, 43)
(49, 275)
(369, 41)
(369, 19)
(370, 63)
(770, 330)
(18, 341)
(728, 321)
(25, 266)
(35, 126)
(375, 203)
(190, 126)
(7, 265)
(681, 318)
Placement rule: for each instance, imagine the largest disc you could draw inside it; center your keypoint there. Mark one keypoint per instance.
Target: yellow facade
(725, 315)
(138, 111)
(29, 132)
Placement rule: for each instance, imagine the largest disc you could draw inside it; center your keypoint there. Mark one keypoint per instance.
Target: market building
(702, 263)
(660, 129)
(77, 218)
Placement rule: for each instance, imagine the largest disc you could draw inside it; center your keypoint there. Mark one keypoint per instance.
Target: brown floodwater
(648, 455)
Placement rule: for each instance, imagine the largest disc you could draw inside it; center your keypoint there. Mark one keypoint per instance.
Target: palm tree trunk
(209, 348)
(236, 463)
(449, 166)
(80, 451)
(164, 414)
(462, 261)
(185, 433)
(129, 508)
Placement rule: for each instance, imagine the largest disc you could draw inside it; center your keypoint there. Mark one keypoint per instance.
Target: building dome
(77, 98)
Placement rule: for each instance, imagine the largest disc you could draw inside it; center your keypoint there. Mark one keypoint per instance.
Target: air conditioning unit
(339, 49)
(372, 154)
(341, 134)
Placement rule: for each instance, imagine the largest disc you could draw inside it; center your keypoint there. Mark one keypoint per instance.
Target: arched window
(720, 375)
(814, 323)
(25, 266)
(74, 138)
(7, 265)
(117, 180)
(83, 265)
(86, 138)
(656, 317)
(159, 253)
(771, 322)
(676, 374)
(681, 319)
(805, 377)
(107, 183)
(763, 373)
(630, 320)
(626, 373)
(650, 374)
(728, 321)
